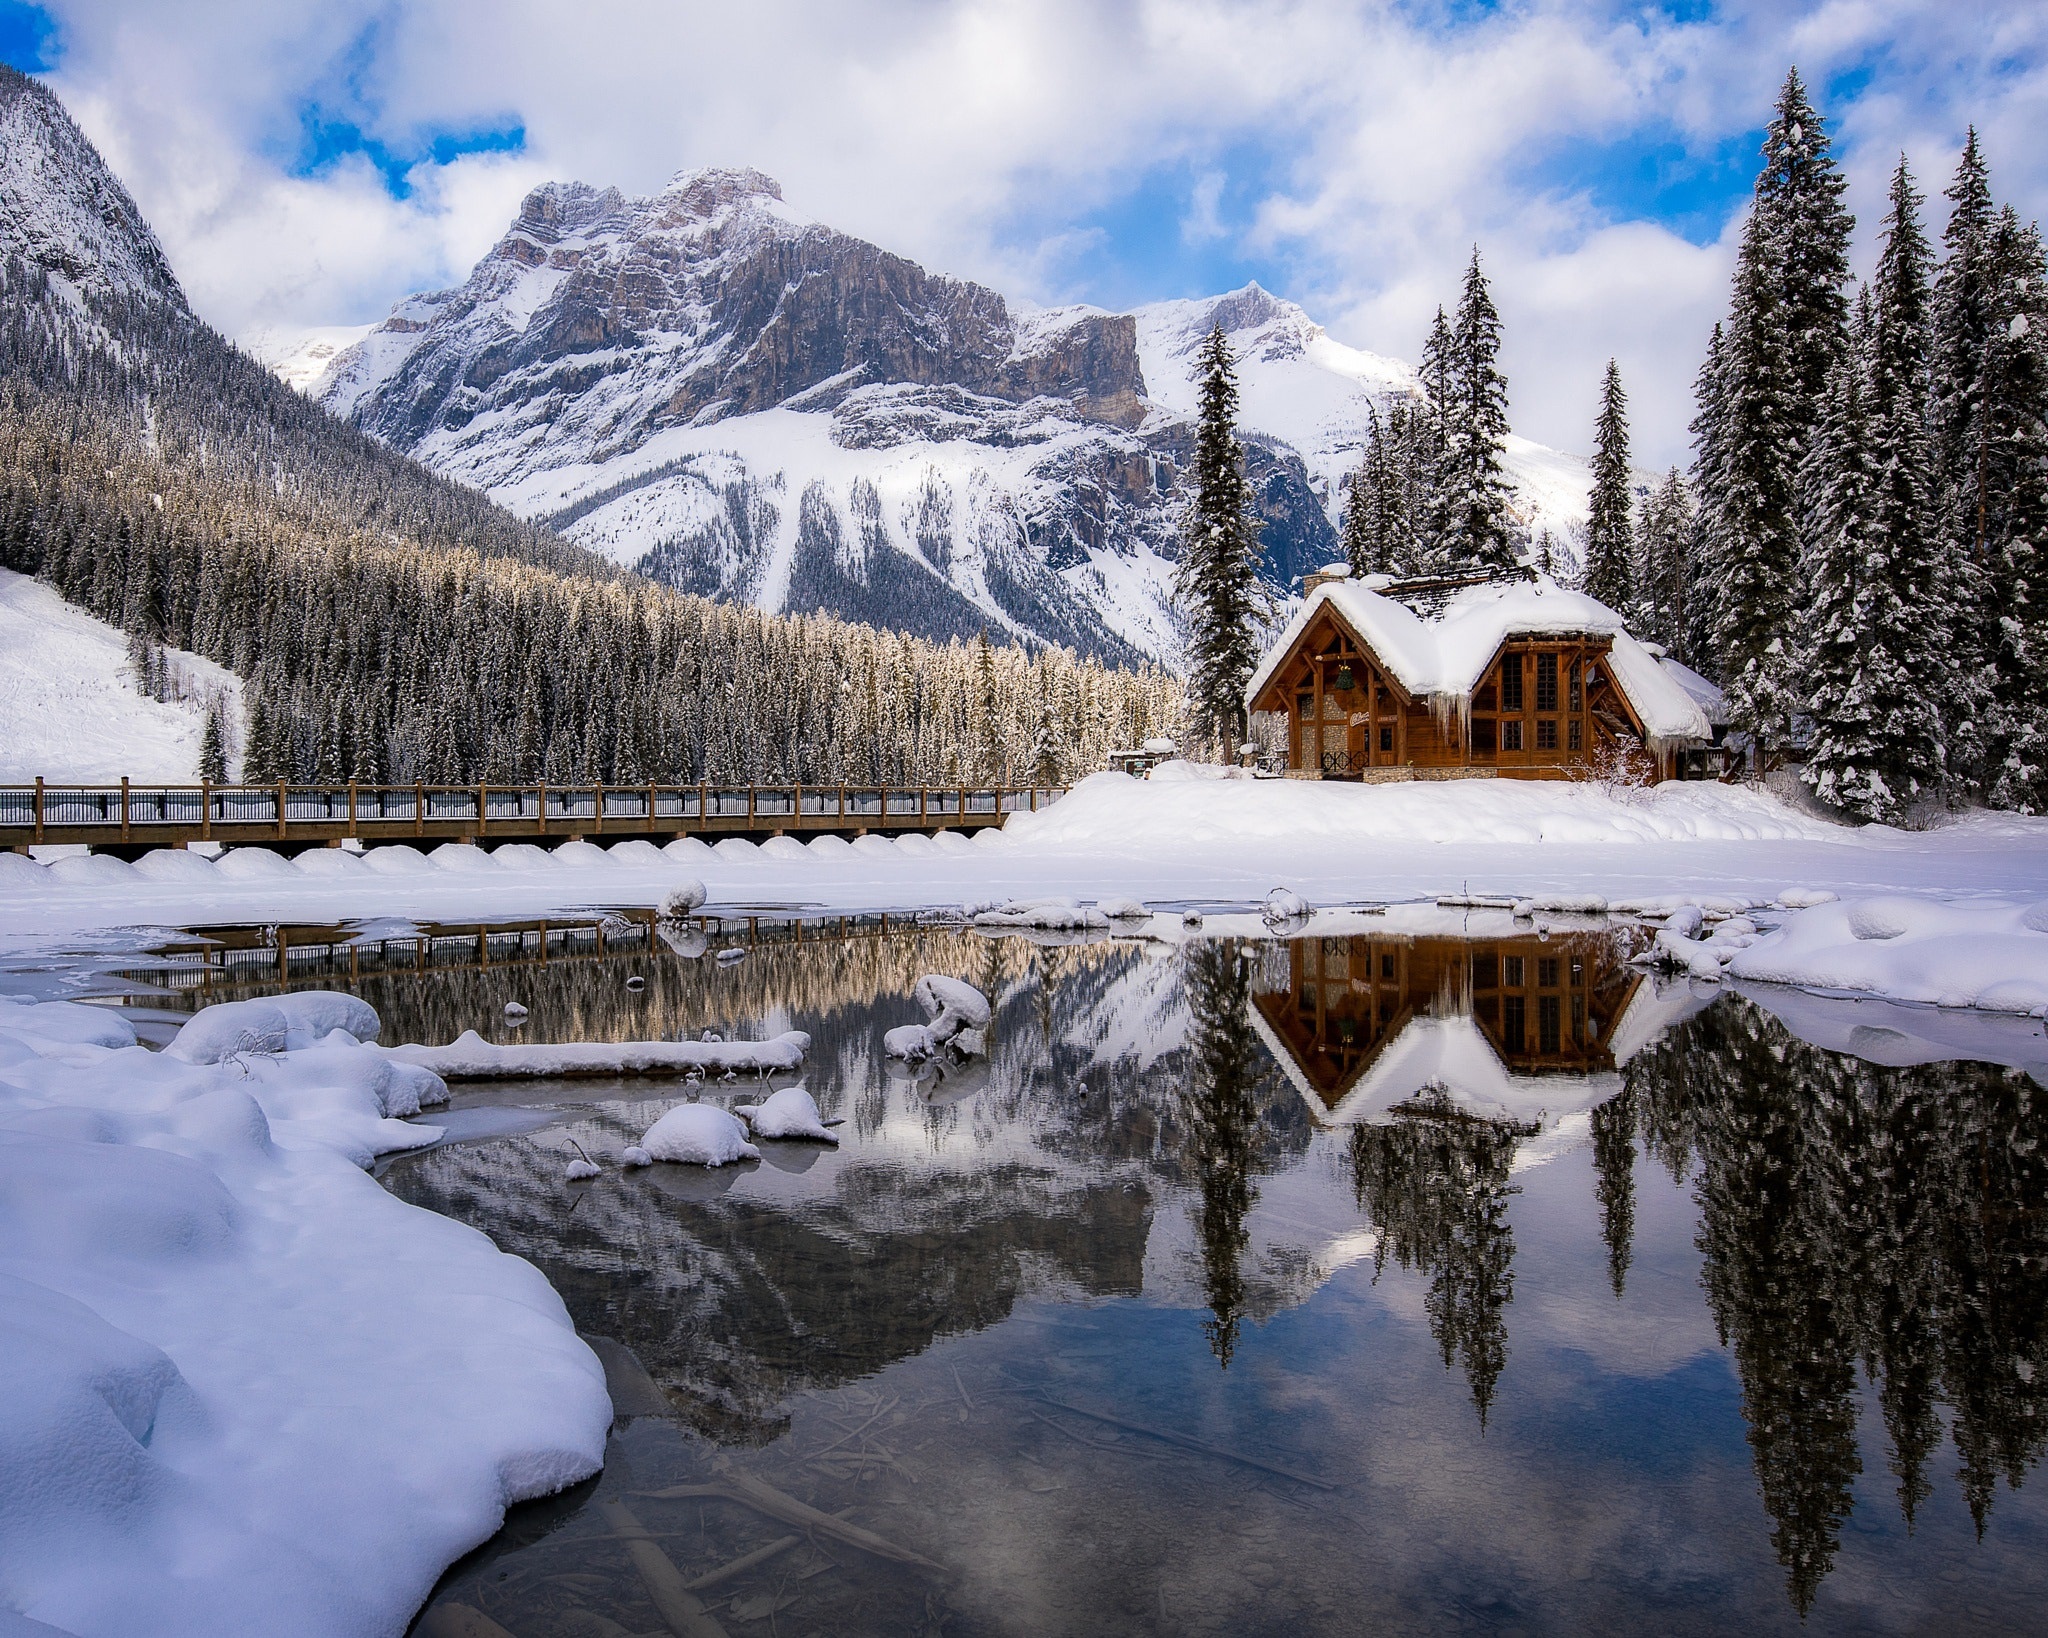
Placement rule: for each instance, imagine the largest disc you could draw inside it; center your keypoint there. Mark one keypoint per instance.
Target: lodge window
(1482, 734)
(1387, 964)
(1546, 733)
(1575, 736)
(1387, 738)
(1511, 1022)
(1547, 1020)
(1511, 683)
(1511, 972)
(1546, 972)
(1304, 705)
(1511, 736)
(1484, 699)
(1546, 682)
(1578, 1020)
(1575, 688)
(1485, 970)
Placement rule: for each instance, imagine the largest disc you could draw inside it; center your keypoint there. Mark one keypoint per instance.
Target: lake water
(1450, 1279)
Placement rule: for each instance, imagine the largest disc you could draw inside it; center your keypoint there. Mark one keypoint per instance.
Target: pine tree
(213, 760)
(1799, 195)
(1754, 542)
(1921, 690)
(1665, 545)
(1217, 580)
(1478, 527)
(1610, 530)
(1426, 444)
(1843, 655)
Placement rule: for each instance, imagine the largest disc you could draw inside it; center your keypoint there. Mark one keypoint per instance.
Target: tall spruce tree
(1919, 687)
(1474, 495)
(1665, 544)
(1610, 526)
(1799, 194)
(1217, 581)
(1844, 653)
(1754, 544)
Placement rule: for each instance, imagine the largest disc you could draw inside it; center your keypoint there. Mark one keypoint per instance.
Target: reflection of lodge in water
(1366, 1024)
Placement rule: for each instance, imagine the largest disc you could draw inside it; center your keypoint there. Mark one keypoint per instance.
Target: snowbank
(1970, 954)
(469, 1057)
(242, 1387)
(1112, 813)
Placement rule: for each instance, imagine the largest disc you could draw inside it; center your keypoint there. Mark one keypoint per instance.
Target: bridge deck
(130, 818)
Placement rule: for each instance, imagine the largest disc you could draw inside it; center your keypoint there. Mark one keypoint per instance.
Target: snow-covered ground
(242, 1388)
(1182, 837)
(69, 705)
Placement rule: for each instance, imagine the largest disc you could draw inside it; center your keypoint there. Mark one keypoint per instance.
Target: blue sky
(310, 164)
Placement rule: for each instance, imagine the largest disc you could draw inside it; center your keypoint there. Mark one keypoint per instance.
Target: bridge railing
(130, 807)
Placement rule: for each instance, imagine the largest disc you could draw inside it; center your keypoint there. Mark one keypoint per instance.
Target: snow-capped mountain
(707, 387)
(62, 211)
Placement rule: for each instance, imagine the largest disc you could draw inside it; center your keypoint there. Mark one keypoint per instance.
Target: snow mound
(684, 899)
(1284, 907)
(785, 847)
(96, 870)
(640, 853)
(397, 859)
(789, 1113)
(828, 847)
(66, 1023)
(175, 864)
(229, 1028)
(689, 850)
(193, 1255)
(580, 856)
(463, 858)
(913, 1043)
(736, 848)
(1989, 956)
(255, 864)
(1123, 910)
(522, 856)
(696, 1134)
(329, 861)
(18, 870)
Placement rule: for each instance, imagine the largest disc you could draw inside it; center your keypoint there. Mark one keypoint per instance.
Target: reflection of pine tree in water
(1437, 1191)
(1614, 1162)
(1855, 1212)
(1225, 1067)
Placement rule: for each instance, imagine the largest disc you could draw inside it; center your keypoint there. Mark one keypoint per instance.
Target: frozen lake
(1442, 1276)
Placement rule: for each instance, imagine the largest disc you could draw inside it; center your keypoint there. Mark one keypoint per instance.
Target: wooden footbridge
(129, 819)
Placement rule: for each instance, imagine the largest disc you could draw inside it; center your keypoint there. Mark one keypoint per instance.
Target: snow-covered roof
(1445, 654)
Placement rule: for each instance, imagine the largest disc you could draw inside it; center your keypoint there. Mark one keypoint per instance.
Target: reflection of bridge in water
(231, 963)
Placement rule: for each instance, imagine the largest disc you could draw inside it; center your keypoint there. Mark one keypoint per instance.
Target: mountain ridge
(705, 386)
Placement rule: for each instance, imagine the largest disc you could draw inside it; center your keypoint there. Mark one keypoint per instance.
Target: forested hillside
(394, 624)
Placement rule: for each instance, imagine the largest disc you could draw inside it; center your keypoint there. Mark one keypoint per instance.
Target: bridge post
(541, 824)
(750, 807)
(842, 807)
(419, 808)
(352, 808)
(703, 803)
(280, 810)
(600, 831)
(796, 818)
(482, 794)
(205, 810)
(650, 807)
(924, 806)
(39, 807)
(124, 807)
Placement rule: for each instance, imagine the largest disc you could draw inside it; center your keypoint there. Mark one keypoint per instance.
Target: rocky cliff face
(62, 211)
(742, 403)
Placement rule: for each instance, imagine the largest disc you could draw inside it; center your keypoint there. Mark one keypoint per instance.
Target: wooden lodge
(1374, 1026)
(1477, 675)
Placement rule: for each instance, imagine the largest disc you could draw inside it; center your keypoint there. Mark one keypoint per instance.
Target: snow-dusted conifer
(1916, 682)
(213, 756)
(1474, 491)
(1610, 527)
(1665, 540)
(1217, 581)
(1799, 195)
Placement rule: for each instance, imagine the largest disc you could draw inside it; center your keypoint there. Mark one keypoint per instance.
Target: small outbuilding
(1479, 674)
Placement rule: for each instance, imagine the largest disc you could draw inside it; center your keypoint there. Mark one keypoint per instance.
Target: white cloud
(1396, 139)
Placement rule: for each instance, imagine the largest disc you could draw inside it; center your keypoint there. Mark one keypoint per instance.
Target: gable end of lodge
(1481, 674)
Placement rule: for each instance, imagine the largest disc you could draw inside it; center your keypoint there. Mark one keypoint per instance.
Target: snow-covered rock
(788, 1113)
(683, 900)
(698, 1134)
(1284, 907)
(1953, 954)
(470, 1057)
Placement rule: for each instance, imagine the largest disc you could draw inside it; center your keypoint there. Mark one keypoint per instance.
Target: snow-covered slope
(299, 358)
(69, 705)
(742, 403)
